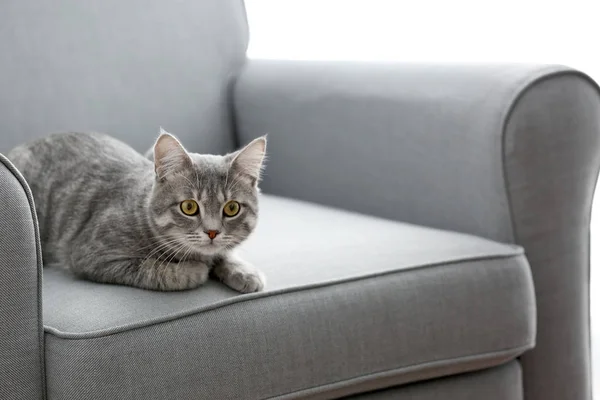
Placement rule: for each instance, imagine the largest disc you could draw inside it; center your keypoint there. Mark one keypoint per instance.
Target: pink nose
(212, 234)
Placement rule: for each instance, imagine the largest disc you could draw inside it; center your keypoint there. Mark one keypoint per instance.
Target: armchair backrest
(124, 67)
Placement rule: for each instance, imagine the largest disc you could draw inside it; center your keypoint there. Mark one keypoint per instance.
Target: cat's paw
(184, 276)
(240, 276)
(194, 275)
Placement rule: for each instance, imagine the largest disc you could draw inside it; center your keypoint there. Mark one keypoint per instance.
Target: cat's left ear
(169, 155)
(249, 161)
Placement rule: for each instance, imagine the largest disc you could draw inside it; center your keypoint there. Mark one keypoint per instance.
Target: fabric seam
(412, 367)
(39, 264)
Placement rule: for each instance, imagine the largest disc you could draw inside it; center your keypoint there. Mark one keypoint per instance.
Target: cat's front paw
(240, 276)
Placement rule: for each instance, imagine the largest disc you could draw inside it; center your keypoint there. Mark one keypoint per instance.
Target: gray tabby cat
(111, 215)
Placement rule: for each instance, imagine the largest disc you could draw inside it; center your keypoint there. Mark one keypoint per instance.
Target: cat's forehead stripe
(212, 191)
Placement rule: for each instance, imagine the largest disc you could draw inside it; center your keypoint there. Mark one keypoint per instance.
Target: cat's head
(205, 204)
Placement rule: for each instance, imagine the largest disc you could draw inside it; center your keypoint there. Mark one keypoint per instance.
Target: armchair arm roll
(21, 331)
(507, 152)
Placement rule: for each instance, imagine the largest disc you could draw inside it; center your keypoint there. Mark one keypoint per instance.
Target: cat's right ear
(169, 155)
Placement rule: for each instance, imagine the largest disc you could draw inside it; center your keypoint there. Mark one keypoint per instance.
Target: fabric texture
(21, 335)
(120, 67)
(552, 147)
(507, 152)
(500, 383)
(340, 314)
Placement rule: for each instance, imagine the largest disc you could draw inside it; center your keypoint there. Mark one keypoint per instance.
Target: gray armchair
(424, 228)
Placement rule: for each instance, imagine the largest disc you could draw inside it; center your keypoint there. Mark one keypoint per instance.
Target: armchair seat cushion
(353, 303)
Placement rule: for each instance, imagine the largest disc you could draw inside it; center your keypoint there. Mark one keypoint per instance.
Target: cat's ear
(169, 155)
(249, 161)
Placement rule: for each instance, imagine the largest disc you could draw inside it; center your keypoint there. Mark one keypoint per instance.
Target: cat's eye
(189, 207)
(231, 208)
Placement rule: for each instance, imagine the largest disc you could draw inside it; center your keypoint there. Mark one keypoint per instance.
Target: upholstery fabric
(552, 156)
(352, 302)
(500, 383)
(21, 335)
(507, 152)
(120, 67)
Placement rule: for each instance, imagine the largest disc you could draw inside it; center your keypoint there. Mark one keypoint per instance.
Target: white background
(546, 31)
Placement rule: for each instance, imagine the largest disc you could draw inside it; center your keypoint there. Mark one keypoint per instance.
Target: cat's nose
(212, 234)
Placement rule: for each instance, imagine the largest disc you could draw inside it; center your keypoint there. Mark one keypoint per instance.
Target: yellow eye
(231, 209)
(189, 207)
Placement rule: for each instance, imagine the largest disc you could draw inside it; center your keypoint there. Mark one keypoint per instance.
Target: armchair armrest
(508, 152)
(21, 331)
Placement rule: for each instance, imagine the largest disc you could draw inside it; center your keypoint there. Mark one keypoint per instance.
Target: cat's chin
(209, 249)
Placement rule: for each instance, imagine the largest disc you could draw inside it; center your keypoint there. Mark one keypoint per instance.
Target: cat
(111, 215)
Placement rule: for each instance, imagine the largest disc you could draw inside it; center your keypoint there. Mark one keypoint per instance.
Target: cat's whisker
(188, 180)
(175, 252)
(162, 261)
(227, 176)
(160, 244)
(162, 248)
(156, 250)
(235, 183)
(185, 255)
(197, 177)
(152, 245)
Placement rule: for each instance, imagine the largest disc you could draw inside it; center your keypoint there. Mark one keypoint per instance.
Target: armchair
(424, 227)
